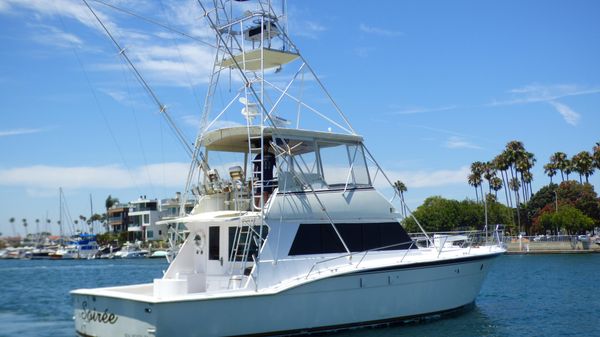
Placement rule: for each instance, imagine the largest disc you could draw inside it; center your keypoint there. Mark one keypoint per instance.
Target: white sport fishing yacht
(289, 234)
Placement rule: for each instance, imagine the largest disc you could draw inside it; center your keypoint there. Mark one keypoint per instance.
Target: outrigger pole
(162, 108)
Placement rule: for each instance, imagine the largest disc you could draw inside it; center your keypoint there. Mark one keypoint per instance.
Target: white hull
(133, 255)
(362, 298)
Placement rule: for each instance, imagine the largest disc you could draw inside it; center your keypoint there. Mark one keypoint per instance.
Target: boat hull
(366, 297)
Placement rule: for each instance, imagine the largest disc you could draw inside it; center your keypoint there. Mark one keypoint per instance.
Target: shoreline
(525, 247)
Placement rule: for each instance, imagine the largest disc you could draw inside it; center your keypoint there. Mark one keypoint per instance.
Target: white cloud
(187, 64)
(191, 120)
(570, 116)
(544, 93)
(72, 9)
(363, 52)
(456, 142)
(4, 6)
(308, 29)
(17, 132)
(117, 95)
(426, 178)
(53, 36)
(164, 62)
(379, 31)
(418, 110)
(41, 177)
(536, 93)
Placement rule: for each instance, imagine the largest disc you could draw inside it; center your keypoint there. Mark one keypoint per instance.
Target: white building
(147, 217)
(143, 214)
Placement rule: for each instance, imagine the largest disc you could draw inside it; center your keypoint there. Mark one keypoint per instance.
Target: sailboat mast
(60, 210)
(91, 215)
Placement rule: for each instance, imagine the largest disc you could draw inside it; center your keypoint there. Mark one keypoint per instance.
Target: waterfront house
(143, 214)
(118, 218)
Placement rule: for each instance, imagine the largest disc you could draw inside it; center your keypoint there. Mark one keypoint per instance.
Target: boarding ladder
(245, 238)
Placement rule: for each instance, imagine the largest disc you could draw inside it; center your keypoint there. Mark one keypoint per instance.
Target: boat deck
(321, 268)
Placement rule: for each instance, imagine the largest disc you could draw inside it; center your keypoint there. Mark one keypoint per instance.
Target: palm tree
(501, 163)
(596, 155)
(568, 167)
(583, 163)
(496, 185)
(550, 170)
(82, 218)
(37, 228)
(95, 217)
(400, 188)
(514, 185)
(531, 160)
(474, 181)
(479, 169)
(12, 225)
(25, 226)
(558, 160)
(522, 167)
(514, 150)
(489, 172)
(474, 178)
(527, 178)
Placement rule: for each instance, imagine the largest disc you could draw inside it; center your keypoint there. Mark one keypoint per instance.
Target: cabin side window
(322, 239)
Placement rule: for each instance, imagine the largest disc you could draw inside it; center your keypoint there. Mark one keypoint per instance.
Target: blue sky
(431, 85)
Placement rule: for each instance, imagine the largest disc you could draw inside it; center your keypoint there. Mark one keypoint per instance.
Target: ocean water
(535, 295)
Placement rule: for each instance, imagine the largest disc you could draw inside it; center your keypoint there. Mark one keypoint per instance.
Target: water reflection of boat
(294, 238)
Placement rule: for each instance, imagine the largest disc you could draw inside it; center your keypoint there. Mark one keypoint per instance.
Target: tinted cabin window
(322, 239)
(213, 243)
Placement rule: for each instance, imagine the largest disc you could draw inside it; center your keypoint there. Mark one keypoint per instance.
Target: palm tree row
(514, 165)
(510, 169)
(25, 224)
(584, 163)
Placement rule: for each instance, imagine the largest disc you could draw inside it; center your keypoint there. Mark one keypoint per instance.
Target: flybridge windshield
(322, 165)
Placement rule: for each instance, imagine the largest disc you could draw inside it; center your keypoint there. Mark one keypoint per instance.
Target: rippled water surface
(543, 295)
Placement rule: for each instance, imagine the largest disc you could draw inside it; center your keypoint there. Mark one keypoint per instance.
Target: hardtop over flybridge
(288, 234)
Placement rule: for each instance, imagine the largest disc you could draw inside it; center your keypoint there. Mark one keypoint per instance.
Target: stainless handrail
(364, 255)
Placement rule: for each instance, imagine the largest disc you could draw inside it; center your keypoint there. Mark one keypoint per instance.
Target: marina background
(523, 295)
